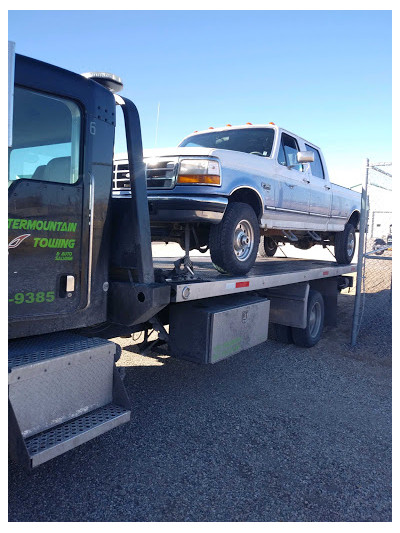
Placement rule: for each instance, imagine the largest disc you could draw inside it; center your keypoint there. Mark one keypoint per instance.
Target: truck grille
(160, 172)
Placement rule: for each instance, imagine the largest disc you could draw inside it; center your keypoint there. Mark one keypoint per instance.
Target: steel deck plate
(266, 273)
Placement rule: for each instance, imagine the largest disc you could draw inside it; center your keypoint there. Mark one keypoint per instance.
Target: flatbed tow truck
(81, 270)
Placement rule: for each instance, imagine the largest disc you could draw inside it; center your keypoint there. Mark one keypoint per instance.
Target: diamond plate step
(55, 441)
(63, 390)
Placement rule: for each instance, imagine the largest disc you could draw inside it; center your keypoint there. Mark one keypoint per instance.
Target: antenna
(158, 116)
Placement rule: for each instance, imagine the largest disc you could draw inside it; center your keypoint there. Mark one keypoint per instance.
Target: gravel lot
(275, 433)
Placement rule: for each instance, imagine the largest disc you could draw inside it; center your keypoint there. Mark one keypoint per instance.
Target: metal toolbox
(209, 330)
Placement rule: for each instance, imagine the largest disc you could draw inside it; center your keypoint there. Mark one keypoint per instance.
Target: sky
(324, 75)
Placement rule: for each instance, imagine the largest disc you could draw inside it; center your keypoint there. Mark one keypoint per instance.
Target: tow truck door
(45, 206)
(61, 150)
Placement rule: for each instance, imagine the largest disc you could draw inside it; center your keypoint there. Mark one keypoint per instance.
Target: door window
(46, 138)
(316, 166)
(287, 155)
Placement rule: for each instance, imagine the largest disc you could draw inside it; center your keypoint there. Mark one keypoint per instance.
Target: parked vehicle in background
(383, 244)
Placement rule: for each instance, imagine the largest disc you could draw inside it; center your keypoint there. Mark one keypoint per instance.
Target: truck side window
(46, 138)
(288, 152)
(316, 166)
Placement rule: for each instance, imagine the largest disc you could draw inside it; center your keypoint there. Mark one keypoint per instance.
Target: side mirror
(305, 157)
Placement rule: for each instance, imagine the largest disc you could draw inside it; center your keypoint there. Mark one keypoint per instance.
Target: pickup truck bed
(266, 273)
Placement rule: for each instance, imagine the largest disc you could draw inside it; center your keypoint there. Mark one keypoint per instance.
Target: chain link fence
(373, 303)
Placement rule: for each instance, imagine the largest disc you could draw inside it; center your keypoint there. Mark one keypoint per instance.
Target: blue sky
(325, 75)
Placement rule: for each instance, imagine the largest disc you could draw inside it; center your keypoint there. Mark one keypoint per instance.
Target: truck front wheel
(345, 244)
(234, 241)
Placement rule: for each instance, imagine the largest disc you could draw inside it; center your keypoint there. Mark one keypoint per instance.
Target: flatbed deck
(266, 273)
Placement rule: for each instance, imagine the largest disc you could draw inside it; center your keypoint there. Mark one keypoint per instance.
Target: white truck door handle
(306, 180)
(327, 187)
(289, 185)
(70, 284)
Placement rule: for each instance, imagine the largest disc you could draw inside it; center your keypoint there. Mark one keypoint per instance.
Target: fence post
(360, 260)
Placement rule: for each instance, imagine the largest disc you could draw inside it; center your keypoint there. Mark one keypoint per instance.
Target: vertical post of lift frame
(139, 203)
(360, 259)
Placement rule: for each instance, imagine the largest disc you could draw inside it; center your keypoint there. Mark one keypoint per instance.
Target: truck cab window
(288, 152)
(46, 138)
(316, 166)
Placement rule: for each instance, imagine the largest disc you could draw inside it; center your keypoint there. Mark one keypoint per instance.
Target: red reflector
(325, 273)
(242, 284)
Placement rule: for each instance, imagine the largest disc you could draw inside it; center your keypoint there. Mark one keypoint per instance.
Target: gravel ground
(275, 433)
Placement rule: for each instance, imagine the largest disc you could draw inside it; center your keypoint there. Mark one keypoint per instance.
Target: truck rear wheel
(234, 241)
(345, 244)
(311, 334)
(268, 247)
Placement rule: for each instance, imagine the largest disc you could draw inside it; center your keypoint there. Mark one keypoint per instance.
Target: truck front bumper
(187, 209)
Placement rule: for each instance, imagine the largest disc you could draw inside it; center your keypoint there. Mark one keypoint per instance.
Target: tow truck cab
(60, 177)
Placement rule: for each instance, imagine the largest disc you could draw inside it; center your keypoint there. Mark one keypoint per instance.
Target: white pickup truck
(231, 185)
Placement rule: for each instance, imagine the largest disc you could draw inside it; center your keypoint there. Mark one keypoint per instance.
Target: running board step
(290, 235)
(60, 439)
(314, 236)
(63, 390)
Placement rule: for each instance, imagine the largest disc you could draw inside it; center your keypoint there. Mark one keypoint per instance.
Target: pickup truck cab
(235, 184)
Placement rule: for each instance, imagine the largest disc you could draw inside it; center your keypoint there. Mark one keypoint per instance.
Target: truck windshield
(257, 141)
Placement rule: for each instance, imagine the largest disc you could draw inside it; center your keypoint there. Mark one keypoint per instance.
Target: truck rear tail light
(199, 171)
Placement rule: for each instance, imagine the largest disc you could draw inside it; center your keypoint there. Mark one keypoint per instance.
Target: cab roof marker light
(249, 124)
(273, 123)
(228, 125)
(110, 81)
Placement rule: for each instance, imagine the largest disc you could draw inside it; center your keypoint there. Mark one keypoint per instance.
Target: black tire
(268, 247)
(345, 244)
(234, 241)
(378, 243)
(311, 334)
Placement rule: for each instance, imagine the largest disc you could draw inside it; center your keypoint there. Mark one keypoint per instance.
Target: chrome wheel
(351, 242)
(315, 319)
(243, 240)
(234, 241)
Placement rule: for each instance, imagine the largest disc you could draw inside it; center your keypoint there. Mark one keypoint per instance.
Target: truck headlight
(199, 171)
